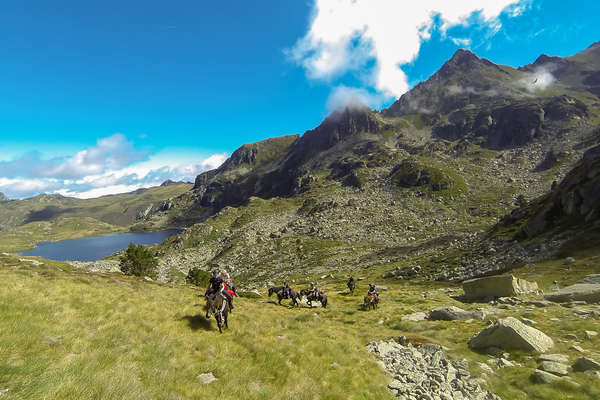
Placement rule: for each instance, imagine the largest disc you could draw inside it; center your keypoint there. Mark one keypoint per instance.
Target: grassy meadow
(68, 334)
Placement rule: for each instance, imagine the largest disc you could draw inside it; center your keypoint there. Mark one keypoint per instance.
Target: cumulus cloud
(347, 35)
(110, 153)
(112, 166)
(343, 96)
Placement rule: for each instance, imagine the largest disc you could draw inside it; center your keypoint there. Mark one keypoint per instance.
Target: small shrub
(138, 261)
(197, 277)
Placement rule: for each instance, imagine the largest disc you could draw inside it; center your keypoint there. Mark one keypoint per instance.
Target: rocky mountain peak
(463, 61)
(595, 45)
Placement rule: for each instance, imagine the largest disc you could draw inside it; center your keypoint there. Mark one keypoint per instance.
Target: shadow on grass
(197, 322)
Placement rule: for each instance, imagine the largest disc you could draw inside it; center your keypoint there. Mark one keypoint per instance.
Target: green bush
(197, 277)
(138, 261)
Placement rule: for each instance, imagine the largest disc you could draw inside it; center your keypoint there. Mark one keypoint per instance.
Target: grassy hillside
(67, 334)
(54, 217)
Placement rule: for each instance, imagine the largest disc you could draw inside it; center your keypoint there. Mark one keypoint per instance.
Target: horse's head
(271, 291)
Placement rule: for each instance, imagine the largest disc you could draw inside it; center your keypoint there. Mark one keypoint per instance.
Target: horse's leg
(225, 317)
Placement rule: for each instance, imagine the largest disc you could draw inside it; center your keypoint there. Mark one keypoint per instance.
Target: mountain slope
(369, 188)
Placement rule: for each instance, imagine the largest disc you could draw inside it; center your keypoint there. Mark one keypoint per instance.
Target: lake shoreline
(95, 248)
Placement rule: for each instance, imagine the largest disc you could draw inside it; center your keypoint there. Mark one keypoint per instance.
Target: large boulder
(497, 286)
(594, 279)
(511, 334)
(589, 292)
(453, 313)
(586, 364)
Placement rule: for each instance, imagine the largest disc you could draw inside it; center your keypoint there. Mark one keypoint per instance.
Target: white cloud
(462, 42)
(112, 166)
(538, 80)
(345, 35)
(343, 96)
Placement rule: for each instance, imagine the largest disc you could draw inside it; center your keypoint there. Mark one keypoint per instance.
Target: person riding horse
(372, 290)
(216, 286)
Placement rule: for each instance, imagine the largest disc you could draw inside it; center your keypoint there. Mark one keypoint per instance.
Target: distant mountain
(170, 182)
(3, 197)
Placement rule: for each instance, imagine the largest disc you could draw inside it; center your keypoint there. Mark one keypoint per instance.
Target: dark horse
(217, 305)
(280, 294)
(310, 297)
(371, 301)
(351, 285)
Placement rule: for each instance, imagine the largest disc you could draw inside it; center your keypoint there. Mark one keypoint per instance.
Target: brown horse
(217, 305)
(371, 301)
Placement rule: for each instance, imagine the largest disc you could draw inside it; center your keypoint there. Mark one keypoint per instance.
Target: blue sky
(103, 97)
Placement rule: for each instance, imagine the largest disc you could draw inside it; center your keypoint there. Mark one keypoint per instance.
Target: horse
(280, 295)
(305, 292)
(275, 289)
(351, 286)
(217, 305)
(320, 298)
(371, 301)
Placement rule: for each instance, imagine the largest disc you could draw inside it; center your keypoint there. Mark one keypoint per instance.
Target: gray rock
(577, 349)
(569, 261)
(510, 333)
(593, 279)
(593, 374)
(559, 358)
(571, 336)
(528, 321)
(503, 362)
(586, 364)
(453, 313)
(426, 372)
(497, 286)
(541, 303)
(554, 368)
(206, 379)
(588, 292)
(415, 317)
(589, 335)
(544, 377)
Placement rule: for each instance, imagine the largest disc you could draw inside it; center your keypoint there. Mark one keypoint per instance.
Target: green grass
(67, 334)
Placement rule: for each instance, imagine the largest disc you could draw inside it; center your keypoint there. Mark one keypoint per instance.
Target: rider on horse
(286, 290)
(217, 285)
(372, 290)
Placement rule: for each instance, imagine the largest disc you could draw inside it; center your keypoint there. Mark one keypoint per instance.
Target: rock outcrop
(511, 334)
(588, 292)
(497, 286)
(426, 372)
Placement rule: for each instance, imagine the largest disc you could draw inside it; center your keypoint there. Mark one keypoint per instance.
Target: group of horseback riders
(287, 292)
(221, 290)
